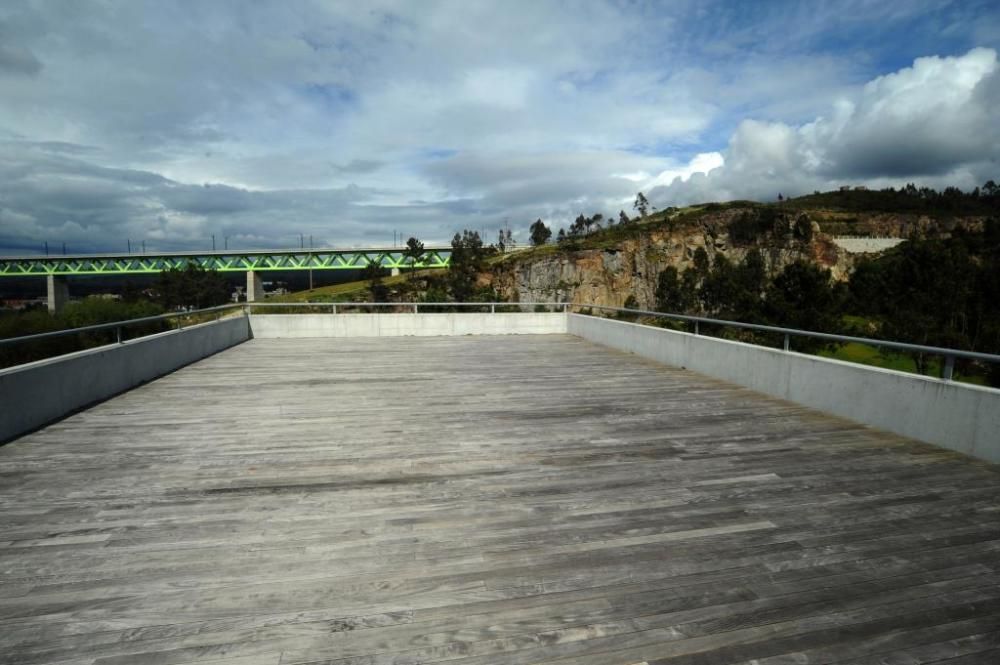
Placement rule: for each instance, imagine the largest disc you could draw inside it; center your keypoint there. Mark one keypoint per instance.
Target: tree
(468, 258)
(802, 297)
(414, 253)
(700, 260)
(540, 233)
(735, 291)
(623, 218)
(930, 292)
(675, 293)
(561, 236)
(192, 287)
(804, 228)
(641, 205)
(373, 273)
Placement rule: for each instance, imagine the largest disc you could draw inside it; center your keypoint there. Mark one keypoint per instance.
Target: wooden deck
(485, 500)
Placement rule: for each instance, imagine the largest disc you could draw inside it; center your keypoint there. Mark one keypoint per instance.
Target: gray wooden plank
(482, 499)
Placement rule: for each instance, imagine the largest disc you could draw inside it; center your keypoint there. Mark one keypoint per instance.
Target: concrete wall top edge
(819, 359)
(107, 348)
(444, 324)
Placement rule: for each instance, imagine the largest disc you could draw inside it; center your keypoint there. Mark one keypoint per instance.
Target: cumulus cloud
(933, 122)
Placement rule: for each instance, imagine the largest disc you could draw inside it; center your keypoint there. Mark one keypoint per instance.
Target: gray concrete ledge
(38, 393)
(403, 325)
(952, 415)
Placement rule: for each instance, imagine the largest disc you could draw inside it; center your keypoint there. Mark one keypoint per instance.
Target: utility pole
(213, 242)
(143, 246)
(64, 249)
(128, 240)
(46, 248)
(310, 263)
(302, 241)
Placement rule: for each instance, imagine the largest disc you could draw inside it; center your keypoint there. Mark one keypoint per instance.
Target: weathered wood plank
(482, 500)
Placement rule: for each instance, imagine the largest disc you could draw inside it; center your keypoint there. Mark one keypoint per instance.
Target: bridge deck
(484, 500)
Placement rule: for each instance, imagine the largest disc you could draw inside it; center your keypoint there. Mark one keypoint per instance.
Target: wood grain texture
(529, 499)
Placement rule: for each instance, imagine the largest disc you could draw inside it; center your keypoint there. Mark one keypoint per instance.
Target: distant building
(845, 188)
(861, 188)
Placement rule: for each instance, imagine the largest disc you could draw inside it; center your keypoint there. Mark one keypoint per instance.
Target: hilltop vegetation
(776, 264)
(983, 200)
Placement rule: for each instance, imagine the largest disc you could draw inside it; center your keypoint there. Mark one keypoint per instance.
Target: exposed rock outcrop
(608, 276)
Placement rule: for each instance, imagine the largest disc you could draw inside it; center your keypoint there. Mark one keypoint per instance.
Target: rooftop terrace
(513, 499)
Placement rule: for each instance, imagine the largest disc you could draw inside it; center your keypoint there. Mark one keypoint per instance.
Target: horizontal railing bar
(114, 324)
(903, 346)
(559, 305)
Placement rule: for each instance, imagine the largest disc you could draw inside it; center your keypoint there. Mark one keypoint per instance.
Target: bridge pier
(255, 287)
(58, 292)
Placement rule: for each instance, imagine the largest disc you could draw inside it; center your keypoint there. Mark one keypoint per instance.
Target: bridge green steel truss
(222, 262)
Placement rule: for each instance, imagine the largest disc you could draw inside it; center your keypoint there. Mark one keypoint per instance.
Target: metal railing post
(416, 308)
(118, 334)
(786, 341)
(697, 328)
(493, 308)
(333, 309)
(949, 368)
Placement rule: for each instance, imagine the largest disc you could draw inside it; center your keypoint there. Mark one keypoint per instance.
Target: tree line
(931, 291)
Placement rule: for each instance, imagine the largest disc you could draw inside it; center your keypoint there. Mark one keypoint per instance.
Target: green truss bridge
(57, 268)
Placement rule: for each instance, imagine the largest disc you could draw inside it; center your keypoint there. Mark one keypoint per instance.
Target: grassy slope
(865, 354)
(345, 292)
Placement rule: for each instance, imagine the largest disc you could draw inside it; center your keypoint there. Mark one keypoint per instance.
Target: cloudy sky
(168, 122)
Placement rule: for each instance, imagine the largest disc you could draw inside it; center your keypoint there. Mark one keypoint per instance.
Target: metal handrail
(114, 325)
(948, 354)
(118, 325)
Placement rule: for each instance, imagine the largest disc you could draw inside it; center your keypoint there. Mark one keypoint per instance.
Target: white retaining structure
(37, 393)
(406, 324)
(857, 245)
(952, 415)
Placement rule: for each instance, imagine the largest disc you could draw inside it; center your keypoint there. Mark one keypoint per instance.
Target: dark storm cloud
(18, 60)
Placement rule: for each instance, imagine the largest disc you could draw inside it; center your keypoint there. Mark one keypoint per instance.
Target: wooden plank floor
(532, 499)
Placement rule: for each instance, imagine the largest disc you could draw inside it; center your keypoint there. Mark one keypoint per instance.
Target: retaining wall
(944, 413)
(37, 393)
(402, 325)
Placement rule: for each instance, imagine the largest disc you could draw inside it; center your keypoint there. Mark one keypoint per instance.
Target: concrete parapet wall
(944, 413)
(37, 393)
(404, 325)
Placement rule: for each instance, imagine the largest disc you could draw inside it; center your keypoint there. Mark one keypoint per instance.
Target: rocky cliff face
(631, 267)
